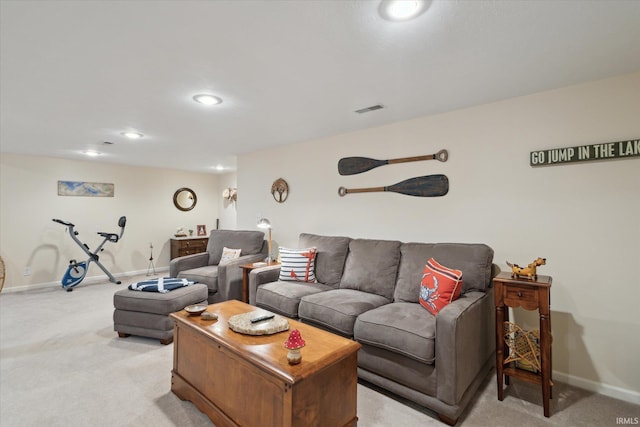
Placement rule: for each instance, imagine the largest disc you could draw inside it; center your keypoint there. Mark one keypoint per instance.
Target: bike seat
(113, 237)
(109, 236)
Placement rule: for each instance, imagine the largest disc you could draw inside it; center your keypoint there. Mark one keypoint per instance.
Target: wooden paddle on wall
(422, 186)
(355, 165)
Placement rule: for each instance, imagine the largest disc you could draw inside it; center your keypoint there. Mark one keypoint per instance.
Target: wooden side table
(530, 295)
(246, 269)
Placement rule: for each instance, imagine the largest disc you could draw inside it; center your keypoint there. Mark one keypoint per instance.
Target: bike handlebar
(68, 224)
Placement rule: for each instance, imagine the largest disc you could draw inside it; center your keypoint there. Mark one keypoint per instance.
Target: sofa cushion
(206, 275)
(413, 257)
(338, 309)
(284, 297)
(249, 241)
(372, 266)
(331, 253)
(298, 265)
(473, 259)
(401, 327)
(440, 285)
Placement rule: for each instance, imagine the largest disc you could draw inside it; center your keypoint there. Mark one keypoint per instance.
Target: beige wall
(29, 200)
(582, 217)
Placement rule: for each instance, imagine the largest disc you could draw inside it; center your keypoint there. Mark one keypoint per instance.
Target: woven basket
(524, 347)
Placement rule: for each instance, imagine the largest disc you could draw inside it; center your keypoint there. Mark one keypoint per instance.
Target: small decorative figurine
(294, 343)
(529, 271)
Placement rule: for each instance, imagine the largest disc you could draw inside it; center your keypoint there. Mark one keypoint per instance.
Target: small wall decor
(230, 194)
(281, 187)
(585, 153)
(185, 199)
(422, 186)
(355, 165)
(530, 271)
(85, 189)
(202, 230)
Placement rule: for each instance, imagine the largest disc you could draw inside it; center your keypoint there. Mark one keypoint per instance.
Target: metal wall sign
(584, 153)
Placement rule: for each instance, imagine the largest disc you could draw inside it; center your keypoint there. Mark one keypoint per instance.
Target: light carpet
(61, 364)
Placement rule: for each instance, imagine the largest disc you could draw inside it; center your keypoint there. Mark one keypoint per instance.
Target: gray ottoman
(146, 314)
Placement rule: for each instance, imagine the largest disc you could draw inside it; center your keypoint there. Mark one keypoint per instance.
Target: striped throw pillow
(298, 265)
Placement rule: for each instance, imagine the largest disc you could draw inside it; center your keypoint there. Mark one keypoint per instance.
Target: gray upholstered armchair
(224, 281)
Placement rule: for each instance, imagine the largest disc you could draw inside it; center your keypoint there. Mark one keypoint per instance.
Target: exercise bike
(78, 270)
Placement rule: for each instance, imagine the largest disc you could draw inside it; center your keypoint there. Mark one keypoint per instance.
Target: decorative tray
(195, 309)
(241, 323)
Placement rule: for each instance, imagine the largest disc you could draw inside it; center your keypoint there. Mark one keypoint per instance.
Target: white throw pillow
(229, 254)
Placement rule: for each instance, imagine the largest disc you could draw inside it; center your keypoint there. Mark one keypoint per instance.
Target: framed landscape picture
(85, 189)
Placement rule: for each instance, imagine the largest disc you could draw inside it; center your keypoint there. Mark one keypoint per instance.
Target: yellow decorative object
(529, 271)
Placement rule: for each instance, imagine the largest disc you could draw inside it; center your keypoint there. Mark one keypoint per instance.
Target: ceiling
(75, 74)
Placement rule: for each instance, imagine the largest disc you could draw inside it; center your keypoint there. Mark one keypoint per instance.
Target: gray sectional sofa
(368, 290)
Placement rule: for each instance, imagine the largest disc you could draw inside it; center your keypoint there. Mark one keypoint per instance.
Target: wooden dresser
(181, 246)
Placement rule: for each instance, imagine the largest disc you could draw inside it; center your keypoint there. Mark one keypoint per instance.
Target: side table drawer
(182, 247)
(521, 296)
(195, 246)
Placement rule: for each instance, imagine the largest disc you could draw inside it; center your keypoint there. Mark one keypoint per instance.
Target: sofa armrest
(230, 277)
(465, 339)
(187, 263)
(260, 276)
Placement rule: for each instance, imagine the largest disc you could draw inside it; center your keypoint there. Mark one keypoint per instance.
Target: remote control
(261, 318)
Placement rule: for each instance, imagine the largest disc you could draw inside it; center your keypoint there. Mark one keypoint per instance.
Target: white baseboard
(87, 281)
(630, 396)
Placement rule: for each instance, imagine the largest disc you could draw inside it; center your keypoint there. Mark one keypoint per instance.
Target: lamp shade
(264, 223)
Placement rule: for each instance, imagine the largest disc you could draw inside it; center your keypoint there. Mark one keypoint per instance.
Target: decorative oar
(422, 186)
(355, 165)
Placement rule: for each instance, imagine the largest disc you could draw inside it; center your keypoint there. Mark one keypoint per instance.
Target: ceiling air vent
(372, 108)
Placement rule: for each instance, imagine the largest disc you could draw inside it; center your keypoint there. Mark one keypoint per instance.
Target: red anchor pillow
(298, 265)
(440, 286)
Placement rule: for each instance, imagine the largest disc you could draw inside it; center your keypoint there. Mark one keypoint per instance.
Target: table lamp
(264, 223)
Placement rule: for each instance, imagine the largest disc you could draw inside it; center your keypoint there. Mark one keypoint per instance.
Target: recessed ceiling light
(92, 153)
(207, 99)
(219, 168)
(401, 10)
(132, 135)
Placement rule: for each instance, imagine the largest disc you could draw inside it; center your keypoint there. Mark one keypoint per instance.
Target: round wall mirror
(184, 199)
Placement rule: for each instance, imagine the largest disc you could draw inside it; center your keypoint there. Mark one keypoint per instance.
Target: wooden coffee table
(245, 380)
